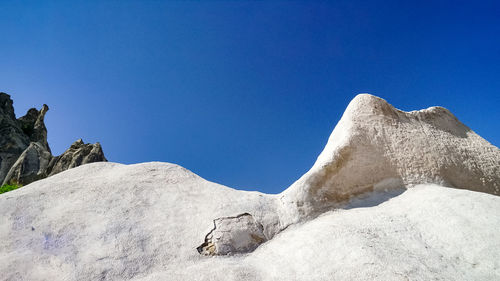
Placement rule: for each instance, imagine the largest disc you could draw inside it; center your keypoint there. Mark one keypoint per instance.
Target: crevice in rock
(231, 235)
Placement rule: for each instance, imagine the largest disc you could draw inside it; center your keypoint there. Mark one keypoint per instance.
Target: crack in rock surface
(230, 235)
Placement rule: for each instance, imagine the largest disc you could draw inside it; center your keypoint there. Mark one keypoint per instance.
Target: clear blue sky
(242, 93)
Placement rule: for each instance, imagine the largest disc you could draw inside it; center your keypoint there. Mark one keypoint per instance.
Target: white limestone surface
(374, 206)
(375, 146)
(107, 221)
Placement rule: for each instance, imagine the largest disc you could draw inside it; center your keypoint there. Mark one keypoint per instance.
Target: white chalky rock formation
(378, 147)
(376, 205)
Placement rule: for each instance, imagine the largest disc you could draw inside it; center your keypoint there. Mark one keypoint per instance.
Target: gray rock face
(25, 154)
(33, 126)
(13, 141)
(31, 165)
(78, 154)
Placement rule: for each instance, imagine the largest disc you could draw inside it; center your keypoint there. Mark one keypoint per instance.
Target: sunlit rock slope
(386, 200)
(378, 147)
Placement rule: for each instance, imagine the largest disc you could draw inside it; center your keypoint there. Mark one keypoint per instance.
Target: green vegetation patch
(9, 187)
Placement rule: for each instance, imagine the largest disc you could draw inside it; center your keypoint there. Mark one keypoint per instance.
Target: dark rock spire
(25, 154)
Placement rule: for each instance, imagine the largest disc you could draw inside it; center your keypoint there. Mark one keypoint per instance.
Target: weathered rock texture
(378, 147)
(25, 154)
(143, 222)
(107, 221)
(33, 126)
(231, 235)
(13, 140)
(78, 154)
(31, 165)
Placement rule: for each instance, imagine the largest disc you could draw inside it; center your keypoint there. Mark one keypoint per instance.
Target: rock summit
(25, 155)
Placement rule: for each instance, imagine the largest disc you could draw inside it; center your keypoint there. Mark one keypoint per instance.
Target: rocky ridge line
(25, 155)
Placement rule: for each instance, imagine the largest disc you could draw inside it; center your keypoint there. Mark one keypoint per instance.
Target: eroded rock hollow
(231, 235)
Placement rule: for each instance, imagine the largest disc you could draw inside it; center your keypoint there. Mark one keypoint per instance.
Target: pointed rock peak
(366, 104)
(34, 114)
(41, 115)
(4, 97)
(98, 145)
(378, 147)
(33, 125)
(373, 105)
(78, 154)
(44, 109)
(6, 105)
(367, 98)
(78, 142)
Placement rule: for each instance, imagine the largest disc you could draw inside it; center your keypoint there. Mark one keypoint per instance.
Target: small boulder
(230, 235)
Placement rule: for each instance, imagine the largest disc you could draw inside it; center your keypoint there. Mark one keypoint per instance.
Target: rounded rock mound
(378, 147)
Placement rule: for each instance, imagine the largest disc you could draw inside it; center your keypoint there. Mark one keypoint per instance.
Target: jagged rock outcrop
(31, 165)
(13, 140)
(377, 147)
(33, 126)
(25, 155)
(78, 154)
